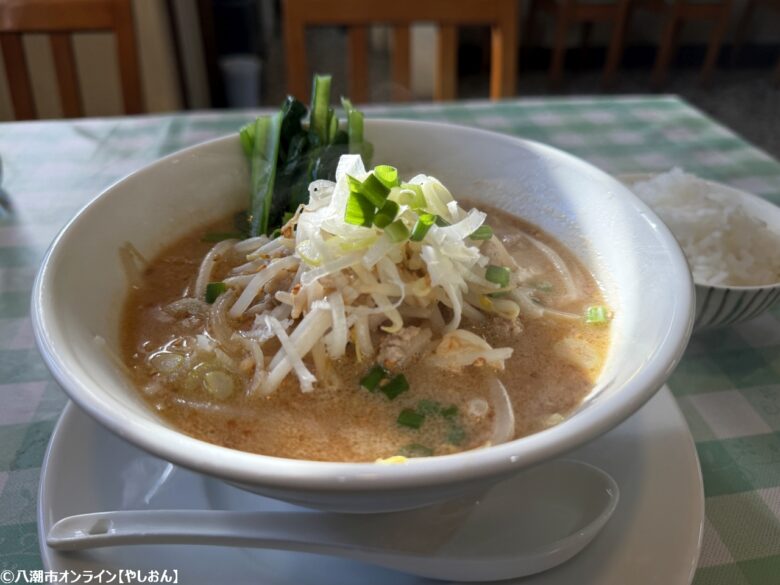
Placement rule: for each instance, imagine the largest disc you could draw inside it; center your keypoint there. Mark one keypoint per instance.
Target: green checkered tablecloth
(728, 384)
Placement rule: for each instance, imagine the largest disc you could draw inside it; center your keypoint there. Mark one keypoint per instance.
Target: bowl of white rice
(730, 238)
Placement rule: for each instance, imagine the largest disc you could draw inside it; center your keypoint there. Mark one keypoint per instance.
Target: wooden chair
(742, 26)
(566, 13)
(358, 15)
(59, 19)
(676, 14)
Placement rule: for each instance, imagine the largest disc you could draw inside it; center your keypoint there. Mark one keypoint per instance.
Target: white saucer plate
(653, 537)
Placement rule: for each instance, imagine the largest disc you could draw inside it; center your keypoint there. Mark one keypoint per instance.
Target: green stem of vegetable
(318, 122)
(333, 125)
(354, 127)
(247, 137)
(263, 168)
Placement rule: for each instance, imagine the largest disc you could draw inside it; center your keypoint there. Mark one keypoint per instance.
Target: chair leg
(777, 74)
(445, 79)
(667, 49)
(559, 50)
(741, 29)
(616, 45)
(716, 38)
(529, 35)
(586, 30)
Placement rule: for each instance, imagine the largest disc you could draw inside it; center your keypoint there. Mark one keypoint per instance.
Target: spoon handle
(288, 530)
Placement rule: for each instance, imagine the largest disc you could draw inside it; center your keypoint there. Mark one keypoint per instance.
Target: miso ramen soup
(351, 342)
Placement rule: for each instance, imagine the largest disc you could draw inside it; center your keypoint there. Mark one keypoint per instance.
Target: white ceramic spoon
(562, 505)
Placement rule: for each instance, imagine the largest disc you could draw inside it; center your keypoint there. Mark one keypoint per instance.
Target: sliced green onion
(371, 380)
(387, 175)
(355, 186)
(456, 435)
(410, 418)
(222, 236)
(359, 210)
(428, 407)
(394, 387)
(213, 290)
(397, 231)
(498, 275)
(416, 450)
(597, 315)
(424, 223)
(418, 199)
(386, 214)
(441, 222)
(374, 190)
(450, 411)
(483, 232)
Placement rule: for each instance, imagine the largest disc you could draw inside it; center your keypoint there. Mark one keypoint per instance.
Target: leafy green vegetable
(263, 169)
(320, 92)
(213, 290)
(286, 155)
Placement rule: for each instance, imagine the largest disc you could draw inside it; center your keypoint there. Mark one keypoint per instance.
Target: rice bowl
(731, 240)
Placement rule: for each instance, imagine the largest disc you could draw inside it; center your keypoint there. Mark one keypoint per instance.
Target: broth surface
(346, 422)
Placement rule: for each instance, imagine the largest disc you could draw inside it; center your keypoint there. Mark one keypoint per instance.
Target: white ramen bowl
(81, 287)
(724, 305)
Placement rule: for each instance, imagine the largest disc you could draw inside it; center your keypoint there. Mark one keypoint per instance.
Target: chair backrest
(500, 15)
(59, 19)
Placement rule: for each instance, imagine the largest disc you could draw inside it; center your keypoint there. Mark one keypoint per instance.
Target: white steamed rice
(723, 243)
